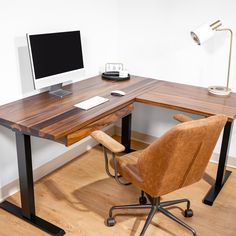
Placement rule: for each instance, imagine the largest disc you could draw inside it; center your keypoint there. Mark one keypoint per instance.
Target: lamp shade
(202, 34)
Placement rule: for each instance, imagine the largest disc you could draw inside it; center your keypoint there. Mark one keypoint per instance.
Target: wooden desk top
(189, 98)
(47, 116)
(50, 117)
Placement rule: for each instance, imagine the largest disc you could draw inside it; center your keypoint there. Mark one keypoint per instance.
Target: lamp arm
(230, 51)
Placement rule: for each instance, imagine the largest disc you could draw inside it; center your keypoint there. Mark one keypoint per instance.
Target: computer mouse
(118, 93)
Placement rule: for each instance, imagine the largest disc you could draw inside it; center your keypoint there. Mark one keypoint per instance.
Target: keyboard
(91, 102)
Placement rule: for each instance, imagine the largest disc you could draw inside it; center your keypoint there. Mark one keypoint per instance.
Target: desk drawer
(99, 124)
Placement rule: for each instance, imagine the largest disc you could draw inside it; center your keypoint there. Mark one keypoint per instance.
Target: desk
(196, 100)
(57, 119)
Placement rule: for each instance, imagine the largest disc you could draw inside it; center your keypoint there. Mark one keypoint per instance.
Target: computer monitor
(53, 56)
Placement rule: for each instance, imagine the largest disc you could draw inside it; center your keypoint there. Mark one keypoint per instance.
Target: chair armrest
(182, 118)
(107, 141)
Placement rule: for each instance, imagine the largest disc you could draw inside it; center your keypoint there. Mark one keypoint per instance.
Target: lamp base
(219, 90)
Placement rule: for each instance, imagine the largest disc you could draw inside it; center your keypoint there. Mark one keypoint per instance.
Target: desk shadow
(210, 180)
(59, 195)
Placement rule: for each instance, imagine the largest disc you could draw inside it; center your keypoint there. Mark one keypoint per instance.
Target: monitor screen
(53, 54)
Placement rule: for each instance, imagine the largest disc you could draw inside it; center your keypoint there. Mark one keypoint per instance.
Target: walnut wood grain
(99, 124)
(189, 98)
(50, 117)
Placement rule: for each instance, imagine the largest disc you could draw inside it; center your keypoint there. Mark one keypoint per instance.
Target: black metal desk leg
(25, 174)
(27, 210)
(126, 132)
(222, 174)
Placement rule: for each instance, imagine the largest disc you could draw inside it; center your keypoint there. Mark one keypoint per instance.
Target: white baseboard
(140, 137)
(83, 146)
(231, 162)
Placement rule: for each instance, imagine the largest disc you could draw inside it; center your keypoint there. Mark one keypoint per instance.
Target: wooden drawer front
(99, 124)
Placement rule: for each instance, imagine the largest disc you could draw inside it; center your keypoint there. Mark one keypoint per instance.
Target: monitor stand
(57, 90)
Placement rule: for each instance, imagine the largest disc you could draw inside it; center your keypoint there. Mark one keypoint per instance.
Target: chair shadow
(105, 197)
(98, 198)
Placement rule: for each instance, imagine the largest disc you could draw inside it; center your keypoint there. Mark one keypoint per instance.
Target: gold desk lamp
(202, 34)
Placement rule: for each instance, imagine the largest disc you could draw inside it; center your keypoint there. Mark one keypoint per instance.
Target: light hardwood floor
(77, 198)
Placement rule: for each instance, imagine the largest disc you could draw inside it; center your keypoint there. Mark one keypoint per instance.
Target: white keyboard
(91, 102)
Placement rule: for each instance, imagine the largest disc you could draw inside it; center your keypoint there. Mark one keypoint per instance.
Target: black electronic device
(114, 75)
(54, 56)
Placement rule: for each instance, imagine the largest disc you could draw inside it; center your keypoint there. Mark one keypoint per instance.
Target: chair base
(155, 206)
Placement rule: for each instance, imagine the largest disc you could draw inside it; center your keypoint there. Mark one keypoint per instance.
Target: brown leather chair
(175, 160)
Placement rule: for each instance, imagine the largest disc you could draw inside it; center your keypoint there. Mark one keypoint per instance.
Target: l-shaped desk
(57, 119)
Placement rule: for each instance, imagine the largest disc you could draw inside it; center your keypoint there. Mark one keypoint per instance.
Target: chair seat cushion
(127, 167)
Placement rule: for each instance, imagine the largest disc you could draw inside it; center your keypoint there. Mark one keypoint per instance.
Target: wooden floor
(78, 196)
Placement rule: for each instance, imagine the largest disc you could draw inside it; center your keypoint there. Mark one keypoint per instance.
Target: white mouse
(118, 93)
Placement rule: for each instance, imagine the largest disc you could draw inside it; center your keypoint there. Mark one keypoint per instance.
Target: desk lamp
(202, 34)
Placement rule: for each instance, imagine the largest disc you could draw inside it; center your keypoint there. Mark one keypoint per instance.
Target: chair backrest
(179, 157)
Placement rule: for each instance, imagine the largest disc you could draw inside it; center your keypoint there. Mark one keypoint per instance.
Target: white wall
(154, 41)
(94, 18)
(150, 37)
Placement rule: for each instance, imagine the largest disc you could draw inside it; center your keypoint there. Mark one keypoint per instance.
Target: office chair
(175, 160)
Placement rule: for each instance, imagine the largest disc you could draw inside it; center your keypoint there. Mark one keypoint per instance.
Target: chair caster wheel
(111, 221)
(143, 200)
(188, 213)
